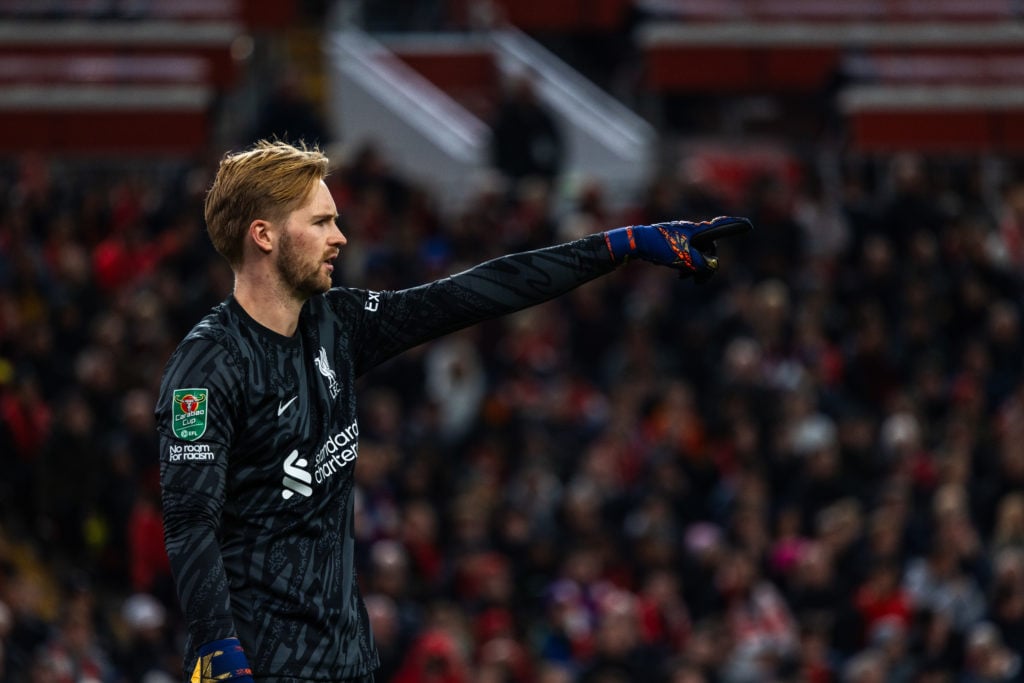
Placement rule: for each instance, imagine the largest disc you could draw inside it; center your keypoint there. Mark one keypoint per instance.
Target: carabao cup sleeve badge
(188, 413)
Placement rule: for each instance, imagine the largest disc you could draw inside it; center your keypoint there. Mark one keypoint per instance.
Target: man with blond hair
(257, 410)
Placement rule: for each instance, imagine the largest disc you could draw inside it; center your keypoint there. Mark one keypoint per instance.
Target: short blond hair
(267, 181)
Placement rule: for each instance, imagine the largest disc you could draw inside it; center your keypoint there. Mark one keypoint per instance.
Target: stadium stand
(121, 78)
(804, 48)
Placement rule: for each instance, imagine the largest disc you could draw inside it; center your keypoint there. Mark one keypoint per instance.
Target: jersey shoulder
(215, 340)
(349, 300)
(210, 359)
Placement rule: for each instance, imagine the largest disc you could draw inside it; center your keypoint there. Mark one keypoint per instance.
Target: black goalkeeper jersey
(258, 443)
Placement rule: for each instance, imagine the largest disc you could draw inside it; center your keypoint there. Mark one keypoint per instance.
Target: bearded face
(309, 242)
(304, 270)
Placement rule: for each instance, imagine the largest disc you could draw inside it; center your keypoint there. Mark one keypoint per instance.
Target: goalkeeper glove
(687, 246)
(222, 660)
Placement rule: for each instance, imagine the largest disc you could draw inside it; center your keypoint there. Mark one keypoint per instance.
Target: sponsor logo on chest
(337, 451)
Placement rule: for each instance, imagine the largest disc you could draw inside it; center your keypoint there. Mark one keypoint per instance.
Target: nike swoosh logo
(281, 407)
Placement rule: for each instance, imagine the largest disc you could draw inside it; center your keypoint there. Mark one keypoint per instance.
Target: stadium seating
(116, 78)
(913, 64)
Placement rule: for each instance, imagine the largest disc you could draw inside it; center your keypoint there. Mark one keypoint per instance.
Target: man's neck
(266, 302)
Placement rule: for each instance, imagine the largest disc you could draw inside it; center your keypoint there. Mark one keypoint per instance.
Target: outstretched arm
(397, 321)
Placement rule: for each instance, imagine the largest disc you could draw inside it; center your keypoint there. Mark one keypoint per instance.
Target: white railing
(606, 141)
(375, 98)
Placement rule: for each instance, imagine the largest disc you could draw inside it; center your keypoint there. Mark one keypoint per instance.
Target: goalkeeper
(257, 410)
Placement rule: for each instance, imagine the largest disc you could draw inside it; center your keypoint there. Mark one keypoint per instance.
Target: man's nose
(338, 237)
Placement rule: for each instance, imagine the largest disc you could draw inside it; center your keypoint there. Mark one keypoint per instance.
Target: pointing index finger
(721, 227)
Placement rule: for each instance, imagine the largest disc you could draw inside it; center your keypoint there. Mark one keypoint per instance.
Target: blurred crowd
(808, 469)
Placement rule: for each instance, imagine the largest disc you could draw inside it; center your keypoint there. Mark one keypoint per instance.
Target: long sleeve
(396, 321)
(194, 421)
(191, 521)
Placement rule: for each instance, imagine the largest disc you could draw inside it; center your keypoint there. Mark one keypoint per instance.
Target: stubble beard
(301, 277)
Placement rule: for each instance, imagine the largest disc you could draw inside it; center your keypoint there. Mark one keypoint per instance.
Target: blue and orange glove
(687, 246)
(222, 660)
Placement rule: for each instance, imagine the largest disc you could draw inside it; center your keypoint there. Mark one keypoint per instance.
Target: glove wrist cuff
(621, 243)
(222, 659)
(230, 643)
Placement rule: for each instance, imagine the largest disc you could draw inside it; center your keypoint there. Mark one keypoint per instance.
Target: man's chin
(313, 287)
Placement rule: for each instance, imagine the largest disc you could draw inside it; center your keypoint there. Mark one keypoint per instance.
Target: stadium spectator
(146, 648)
(288, 114)
(526, 141)
(73, 653)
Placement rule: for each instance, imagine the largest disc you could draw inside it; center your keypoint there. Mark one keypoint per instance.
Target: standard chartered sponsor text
(338, 451)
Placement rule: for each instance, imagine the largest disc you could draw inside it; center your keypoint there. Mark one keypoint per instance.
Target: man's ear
(261, 234)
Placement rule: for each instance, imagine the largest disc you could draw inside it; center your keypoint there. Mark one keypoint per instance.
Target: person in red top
(434, 658)
(881, 597)
(149, 563)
